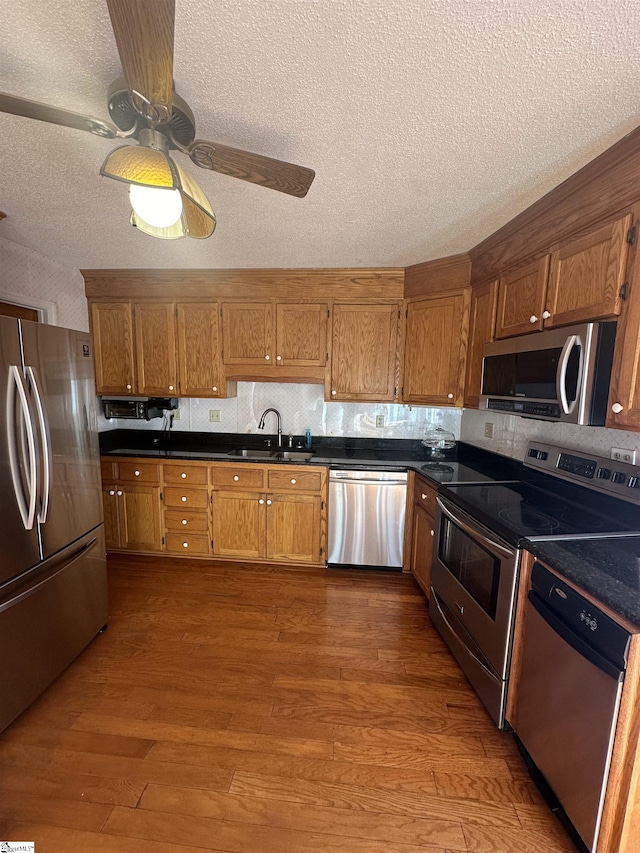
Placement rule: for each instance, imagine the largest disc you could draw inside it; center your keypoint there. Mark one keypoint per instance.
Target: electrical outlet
(214, 416)
(622, 455)
(176, 414)
(488, 430)
(379, 420)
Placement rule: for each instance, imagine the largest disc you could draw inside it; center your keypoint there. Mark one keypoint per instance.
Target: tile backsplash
(302, 407)
(511, 434)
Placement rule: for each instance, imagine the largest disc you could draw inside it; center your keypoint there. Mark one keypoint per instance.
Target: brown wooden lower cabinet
(293, 528)
(424, 503)
(239, 523)
(132, 517)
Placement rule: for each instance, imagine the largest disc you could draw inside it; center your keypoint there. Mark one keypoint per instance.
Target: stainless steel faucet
(277, 414)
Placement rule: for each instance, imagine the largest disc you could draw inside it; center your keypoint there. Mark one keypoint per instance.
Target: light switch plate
(488, 430)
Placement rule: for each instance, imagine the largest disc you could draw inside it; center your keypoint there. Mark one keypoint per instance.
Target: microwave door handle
(561, 374)
(15, 387)
(473, 532)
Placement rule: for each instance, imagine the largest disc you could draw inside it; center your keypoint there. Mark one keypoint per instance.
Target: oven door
(473, 581)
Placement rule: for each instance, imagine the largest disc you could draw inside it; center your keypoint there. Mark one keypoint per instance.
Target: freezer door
(59, 375)
(20, 548)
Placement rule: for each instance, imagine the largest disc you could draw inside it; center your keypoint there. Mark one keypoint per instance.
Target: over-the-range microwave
(556, 375)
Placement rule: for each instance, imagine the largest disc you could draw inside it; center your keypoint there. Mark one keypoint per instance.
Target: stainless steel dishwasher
(366, 518)
(573, 663)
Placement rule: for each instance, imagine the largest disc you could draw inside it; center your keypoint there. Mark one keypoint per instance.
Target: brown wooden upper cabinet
(155, 327)
(436, 331)
(199, 345)
(482, 330)
(580, 281)
(275, 334)
(364, 356)
(112, 328)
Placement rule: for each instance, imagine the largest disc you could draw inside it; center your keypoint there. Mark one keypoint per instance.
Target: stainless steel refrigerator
(53, 583)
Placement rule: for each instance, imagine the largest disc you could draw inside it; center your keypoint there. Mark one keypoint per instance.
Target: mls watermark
(17, 846)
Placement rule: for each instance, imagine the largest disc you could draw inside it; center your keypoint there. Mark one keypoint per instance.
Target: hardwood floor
(264, 710)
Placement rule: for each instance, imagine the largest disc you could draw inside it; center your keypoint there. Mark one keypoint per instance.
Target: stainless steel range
(480, 533)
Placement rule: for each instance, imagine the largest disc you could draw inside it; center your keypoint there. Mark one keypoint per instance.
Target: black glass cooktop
(521, 511)
(446, 471)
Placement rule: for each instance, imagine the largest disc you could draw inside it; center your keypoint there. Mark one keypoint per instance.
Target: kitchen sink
(252, 453)
(294, 455)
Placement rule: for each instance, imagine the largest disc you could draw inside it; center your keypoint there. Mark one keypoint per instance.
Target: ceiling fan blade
(274, 174)
(55, 115)
(144, 32)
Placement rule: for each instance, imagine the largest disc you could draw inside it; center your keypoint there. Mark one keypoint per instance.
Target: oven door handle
(436, 600)
(474, 532)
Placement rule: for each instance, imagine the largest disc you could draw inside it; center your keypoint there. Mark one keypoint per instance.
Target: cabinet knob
(215, 388)
(546, 315)
(170, 387)
(184, 520)
(112, 491)
(267, 358)
(137, 473)
(293, 481)
(423, 496)
(269, 503)
(119, 492)
(278, 358)
(617, 408)
(333, 393)
(236, 478)
(432, 533)
(450, 396)
(128, 387)
(183, 499)
(261, 501)
(533, 319)
(185, 544)
(183, 475)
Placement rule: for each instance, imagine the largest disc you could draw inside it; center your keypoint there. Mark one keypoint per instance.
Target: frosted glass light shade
(159, 207)
(150, 168)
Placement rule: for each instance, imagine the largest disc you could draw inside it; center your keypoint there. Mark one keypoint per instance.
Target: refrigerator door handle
(26, 506)
(45, 444)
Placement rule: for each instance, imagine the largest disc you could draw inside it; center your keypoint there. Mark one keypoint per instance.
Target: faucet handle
(290, 440)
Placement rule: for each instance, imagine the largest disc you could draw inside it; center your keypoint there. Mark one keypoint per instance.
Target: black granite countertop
(608, 569)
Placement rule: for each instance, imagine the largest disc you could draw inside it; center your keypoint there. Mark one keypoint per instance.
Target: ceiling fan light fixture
(153, 178)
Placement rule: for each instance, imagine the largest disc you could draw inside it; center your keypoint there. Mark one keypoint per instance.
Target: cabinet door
(239, 524)
(521, 298)
(301, 334)
(248, 333)
(422, 548)
(293, 528)
(112, 329)
(139, 516)
(156, 348)
(111, 525)
(364, 356)
(435, 350)
(481, 330)
(586, 276)
(199, 349)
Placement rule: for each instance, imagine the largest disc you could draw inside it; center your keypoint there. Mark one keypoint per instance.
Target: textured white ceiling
(429, 123)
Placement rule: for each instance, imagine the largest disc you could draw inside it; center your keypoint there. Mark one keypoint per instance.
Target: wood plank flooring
(251, 709)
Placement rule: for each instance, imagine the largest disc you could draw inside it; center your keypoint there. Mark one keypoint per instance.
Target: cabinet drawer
(186, 520)
(107, 471)
(138, 472)
(188, 543)
(425, 496)
(186, 497)
(181, 474)
(295, 479)
(238, 476)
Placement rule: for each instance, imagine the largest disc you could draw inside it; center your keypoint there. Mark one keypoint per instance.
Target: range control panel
(618, 479)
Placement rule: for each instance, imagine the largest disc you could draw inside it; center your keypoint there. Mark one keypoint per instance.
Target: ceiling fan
(143, 106)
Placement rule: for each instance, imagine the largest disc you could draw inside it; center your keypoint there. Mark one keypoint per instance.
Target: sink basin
(294, 455)
(252, 453)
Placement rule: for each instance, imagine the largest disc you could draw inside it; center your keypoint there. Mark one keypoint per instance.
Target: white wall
(32, 279)
(512, 433)
(301, 407)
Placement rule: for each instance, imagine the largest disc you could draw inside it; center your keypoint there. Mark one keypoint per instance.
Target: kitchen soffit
(430, 123)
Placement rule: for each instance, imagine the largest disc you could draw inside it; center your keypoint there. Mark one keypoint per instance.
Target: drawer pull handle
(267, 358)
(215, 388)
(119, 492)
(546, 315)
(128, 387)
(617, 408)
(184, 520)
(185, 544)
(278, 358)
(269, 503)
(533, 319)
(137, 473)
(450, 396)
(432, 533)
(183, 475)
(293, 481)
(423, 496)
(170, 387)
(261, 501)
(112, 491)
(183, 499)
(333, 393)
(236, 478)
